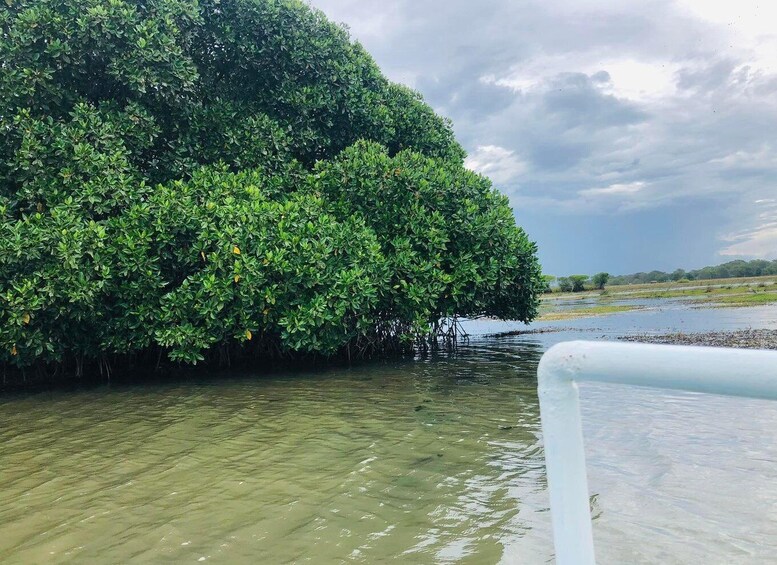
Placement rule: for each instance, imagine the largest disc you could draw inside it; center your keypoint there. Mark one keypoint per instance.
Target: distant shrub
(565, 284)
(600, 279)
(548, 281)
(578, 282)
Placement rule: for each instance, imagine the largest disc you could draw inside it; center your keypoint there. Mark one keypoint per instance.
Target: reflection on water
(658, 316)
(434, 460)
(682, 477)
(431, 461)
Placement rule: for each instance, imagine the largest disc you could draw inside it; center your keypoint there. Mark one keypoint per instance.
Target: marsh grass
(585, 312)
(718, 293)
(690, 289)
(749, 299)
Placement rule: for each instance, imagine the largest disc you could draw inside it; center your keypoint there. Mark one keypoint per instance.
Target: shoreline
(742, 339)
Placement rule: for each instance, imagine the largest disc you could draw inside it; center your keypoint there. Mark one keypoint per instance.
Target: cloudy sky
(629, 135)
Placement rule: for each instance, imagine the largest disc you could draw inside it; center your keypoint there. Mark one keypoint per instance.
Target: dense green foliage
(185, 180)
(572, 283)
(576, 283)
(731, 269)
(599, 280)
(564, 284)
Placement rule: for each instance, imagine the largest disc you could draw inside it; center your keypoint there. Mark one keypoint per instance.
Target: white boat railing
(732, 372)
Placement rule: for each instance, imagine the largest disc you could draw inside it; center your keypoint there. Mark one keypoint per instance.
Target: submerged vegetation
(192, 180)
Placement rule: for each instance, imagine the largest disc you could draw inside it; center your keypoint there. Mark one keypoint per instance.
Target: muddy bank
(746, 339)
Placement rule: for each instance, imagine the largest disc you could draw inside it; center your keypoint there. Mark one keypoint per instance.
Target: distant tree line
(732, 269)
(575, 283)
(754, 268)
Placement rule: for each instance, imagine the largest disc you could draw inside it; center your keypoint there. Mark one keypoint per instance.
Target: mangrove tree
(186, 180)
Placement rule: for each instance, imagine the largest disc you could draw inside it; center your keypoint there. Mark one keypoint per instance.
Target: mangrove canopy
(185, 180)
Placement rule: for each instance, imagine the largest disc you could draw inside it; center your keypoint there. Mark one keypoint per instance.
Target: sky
(629, 135)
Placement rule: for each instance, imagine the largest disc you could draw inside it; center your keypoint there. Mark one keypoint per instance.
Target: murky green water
(431, 461)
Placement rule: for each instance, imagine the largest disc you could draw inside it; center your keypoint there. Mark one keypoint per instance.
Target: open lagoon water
(435, 460)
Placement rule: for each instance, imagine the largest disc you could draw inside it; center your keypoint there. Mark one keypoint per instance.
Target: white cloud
(369, 25)
(612, 199)
(761, 157)
(746, 28)
(614, 189)
(760, 242)
(499, 164)
(639, 80)
(624, 77)
(747, 20)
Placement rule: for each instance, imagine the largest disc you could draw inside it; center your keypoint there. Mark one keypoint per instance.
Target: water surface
(430, 461)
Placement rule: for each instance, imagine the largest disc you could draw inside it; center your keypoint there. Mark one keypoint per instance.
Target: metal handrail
(732, 372)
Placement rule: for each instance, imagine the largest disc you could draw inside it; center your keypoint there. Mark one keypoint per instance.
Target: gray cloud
(578, 101)
(594, 108)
